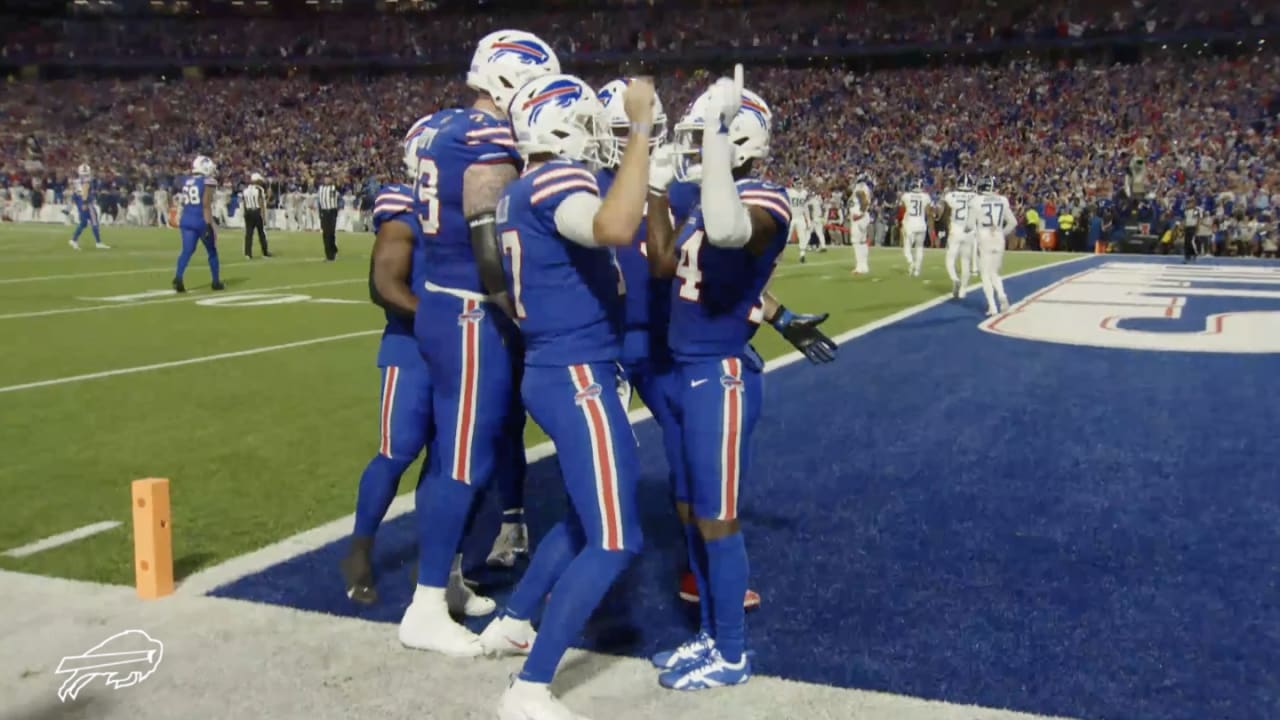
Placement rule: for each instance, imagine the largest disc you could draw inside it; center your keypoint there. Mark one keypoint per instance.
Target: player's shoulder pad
(392, 199)
(768, 195)
(559, 179)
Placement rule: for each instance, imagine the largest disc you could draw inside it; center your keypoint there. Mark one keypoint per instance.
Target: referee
(254, 198)
(327, 198)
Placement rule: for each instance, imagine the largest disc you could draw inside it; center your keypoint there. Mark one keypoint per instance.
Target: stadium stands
(1049, 129)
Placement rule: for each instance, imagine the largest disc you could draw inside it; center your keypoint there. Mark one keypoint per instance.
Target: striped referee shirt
(252, 196)
(328, 197)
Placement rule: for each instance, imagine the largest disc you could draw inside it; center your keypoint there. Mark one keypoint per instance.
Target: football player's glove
(803, 334)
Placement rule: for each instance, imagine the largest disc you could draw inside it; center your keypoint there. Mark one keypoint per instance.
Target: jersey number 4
(690, 276)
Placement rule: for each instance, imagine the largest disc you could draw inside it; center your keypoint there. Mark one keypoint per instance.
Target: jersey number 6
(428, 188)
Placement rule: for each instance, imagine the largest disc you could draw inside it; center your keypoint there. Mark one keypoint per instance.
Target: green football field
(259, 402)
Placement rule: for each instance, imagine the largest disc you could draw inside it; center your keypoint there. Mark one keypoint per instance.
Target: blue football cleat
(712, 671)
(692, 651)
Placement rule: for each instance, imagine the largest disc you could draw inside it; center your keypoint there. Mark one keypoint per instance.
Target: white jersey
(814, 207)
(990, 216)
(859, 220)
(917, 205)
(958, 202)
(797, 197)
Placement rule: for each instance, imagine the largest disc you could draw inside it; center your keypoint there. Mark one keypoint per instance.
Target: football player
(722, 258)
(917, 214)
(860, 227)
(798, 200)
(558, 236)
(959, 240)
(396, 277)
(814, 214)
(195, 220)
(835, 217)
(84, 193)
(463, 327)
(991, 218)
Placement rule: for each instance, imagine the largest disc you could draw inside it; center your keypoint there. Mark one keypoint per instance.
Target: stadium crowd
(1048, 132)
(668, 27)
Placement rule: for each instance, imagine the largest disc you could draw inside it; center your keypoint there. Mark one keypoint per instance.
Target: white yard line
(61, 539)
(189, 361)
(306, 541)
(143, 271)
(186, 297)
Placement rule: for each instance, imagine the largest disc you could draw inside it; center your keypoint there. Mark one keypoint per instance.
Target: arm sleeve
(724, 216)
(575, 216)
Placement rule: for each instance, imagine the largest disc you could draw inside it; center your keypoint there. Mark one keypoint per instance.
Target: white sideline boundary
(185, 297)
(188, 361)
(145, 271)
(235, 568)
(63, 538)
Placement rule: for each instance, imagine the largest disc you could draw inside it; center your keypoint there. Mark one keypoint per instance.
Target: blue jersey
(395, 202)
(683, 196)
(84, 191)
(716, 302)
(454, 140)
(191, 197)
(568, 297)
(647, 300)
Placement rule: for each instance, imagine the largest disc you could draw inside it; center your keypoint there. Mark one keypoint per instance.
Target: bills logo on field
(588, 393)
(122, 660)
(1231, 308)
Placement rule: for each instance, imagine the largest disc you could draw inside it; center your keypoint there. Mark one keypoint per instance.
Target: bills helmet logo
(527, 52)
(561, 93)
(122, 660)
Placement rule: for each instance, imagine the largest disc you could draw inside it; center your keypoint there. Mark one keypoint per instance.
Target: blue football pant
(659, 391)
(191, 236)
(472, 400)
(88, 218)
(580, 409)
(719, 407)
(404, 429)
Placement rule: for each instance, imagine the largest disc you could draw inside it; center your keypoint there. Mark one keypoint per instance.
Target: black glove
(803, 334)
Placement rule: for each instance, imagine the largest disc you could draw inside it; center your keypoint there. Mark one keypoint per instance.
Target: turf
(257, 447)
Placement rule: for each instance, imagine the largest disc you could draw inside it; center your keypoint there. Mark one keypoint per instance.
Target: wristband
(782, 318)
(638, 128)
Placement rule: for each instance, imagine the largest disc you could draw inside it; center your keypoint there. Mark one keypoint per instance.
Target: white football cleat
(1004, 304)
(102, 246)
(74, 245)
(955, 289)
(508, 636)
(532, 701)
(426, 625)
(991, 312)
(461, 599)
(512, 540)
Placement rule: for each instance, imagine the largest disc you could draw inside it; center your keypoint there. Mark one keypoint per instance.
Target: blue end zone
(978, 519)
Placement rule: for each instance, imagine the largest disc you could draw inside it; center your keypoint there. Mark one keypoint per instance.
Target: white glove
(662, 169)
(724, 100)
